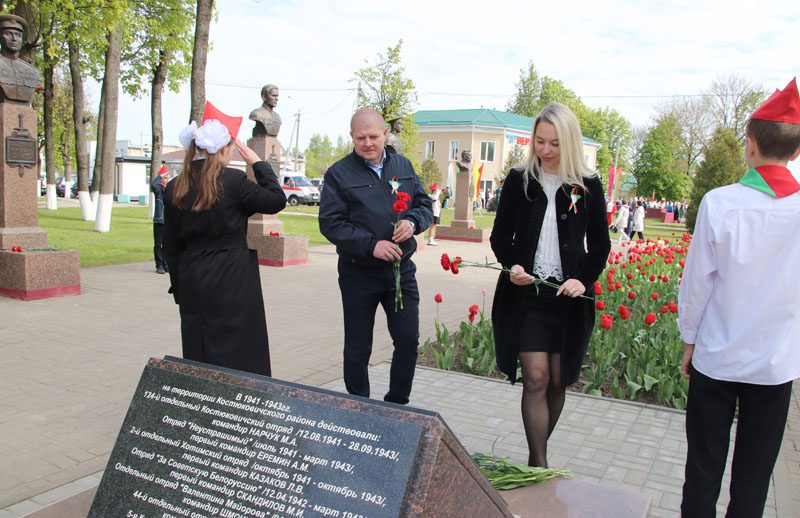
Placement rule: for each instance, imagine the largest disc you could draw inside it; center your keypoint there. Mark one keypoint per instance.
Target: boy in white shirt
(739, 317)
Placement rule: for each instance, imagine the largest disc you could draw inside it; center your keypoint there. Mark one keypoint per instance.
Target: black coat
(158, 193)
(355, 211)
(514, 239)
(215, 278)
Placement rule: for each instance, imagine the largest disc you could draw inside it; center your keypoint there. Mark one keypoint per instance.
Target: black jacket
(356, 207)
(514, 239)
(158, 192)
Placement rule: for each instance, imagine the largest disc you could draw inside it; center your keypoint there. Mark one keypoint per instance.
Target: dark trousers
(363, 288)
(158, 245)
(759, 431)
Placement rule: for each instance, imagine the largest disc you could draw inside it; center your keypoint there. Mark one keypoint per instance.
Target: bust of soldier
(268, 122)
(393, 143)
(18, 79)
(466, 161)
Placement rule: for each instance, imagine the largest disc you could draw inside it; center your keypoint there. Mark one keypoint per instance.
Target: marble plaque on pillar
(213, 441)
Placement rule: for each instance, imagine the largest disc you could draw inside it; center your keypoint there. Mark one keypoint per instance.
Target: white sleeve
(699, 274)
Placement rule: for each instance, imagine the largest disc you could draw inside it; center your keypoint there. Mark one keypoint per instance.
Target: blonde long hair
(204, 179)
(572, 167)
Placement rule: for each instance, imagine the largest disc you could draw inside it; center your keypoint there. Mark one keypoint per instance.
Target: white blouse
(547, 261)
(738, 297)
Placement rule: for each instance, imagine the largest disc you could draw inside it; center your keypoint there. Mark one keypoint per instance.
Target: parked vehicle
(318, 183)
(61, 184)
(299, 189)
(43, 185)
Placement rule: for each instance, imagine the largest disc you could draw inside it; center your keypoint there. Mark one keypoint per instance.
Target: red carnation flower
(438, 298)
(654, 296)
(399, 206)
(650, 319)
(445, 262)
(454, 268)
(402, 196)
(600, 305)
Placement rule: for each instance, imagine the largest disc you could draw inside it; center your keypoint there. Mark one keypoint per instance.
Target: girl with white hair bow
(214, 276)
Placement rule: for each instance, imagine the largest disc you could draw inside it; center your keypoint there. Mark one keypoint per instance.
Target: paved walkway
(69, 366)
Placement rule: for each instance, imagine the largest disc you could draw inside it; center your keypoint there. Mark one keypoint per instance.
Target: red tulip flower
(600, 305)
(606, 321)
(650, 319)
(598, 288)
(632, 295)
(664, 309)
(438, 298)
(654, 296)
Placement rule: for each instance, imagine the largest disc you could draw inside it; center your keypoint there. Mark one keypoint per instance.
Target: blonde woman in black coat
(551, 224)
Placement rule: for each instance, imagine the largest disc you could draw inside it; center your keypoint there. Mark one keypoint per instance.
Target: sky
(628, 55)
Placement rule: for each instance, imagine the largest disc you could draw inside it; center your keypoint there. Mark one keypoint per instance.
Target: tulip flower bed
(635, 350)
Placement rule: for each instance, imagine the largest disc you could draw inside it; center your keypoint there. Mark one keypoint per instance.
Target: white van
(299, 189)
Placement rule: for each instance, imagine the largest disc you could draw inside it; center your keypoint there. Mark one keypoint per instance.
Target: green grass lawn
(131, 235)
(130, 238)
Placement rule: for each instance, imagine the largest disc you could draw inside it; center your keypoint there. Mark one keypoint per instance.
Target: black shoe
(160, 270)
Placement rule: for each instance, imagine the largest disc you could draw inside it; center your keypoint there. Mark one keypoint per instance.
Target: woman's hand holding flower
(519, 277)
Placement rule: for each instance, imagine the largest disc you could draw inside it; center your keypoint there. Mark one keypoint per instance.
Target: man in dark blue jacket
(356, 215)
(158, 185)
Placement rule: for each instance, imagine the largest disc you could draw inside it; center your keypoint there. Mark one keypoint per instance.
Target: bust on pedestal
(462, 228)
(265, 232)
(29, 270)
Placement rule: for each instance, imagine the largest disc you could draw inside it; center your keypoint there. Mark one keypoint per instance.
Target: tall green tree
(723, 164)
(319, 155)
(656, 168)
(695, 120)
(733, 99)
(384, 87)
(535, 92)
(202, 29)
(613, 131)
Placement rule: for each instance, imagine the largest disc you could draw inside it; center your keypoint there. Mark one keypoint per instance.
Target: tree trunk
(81, 151)
(97, 177)
(49, 144)
(110, 112)
(156, 118)
(67, 164)
(205, 9)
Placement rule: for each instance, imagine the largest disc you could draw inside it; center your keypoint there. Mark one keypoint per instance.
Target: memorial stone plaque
(195, 446)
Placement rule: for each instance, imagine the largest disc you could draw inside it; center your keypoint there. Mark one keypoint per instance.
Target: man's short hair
(774, 139)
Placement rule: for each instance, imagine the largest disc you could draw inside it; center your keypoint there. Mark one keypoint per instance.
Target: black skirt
(543, 320)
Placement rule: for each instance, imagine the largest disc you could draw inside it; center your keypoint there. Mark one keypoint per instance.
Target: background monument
(462, 228)
(265, 231)
(29, 270)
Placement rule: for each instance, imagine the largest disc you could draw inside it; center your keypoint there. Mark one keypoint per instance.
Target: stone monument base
(39, 274)
(26, 237)
(570, 498)
(473, 235)
(280, 250)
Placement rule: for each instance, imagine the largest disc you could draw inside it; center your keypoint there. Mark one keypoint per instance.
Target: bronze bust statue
(268, 122)
(393, 143)
(18, 79)
(466, 161)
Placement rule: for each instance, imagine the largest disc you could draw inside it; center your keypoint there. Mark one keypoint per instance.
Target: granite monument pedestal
(462, 228)
(273, 250)
(35, 272)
